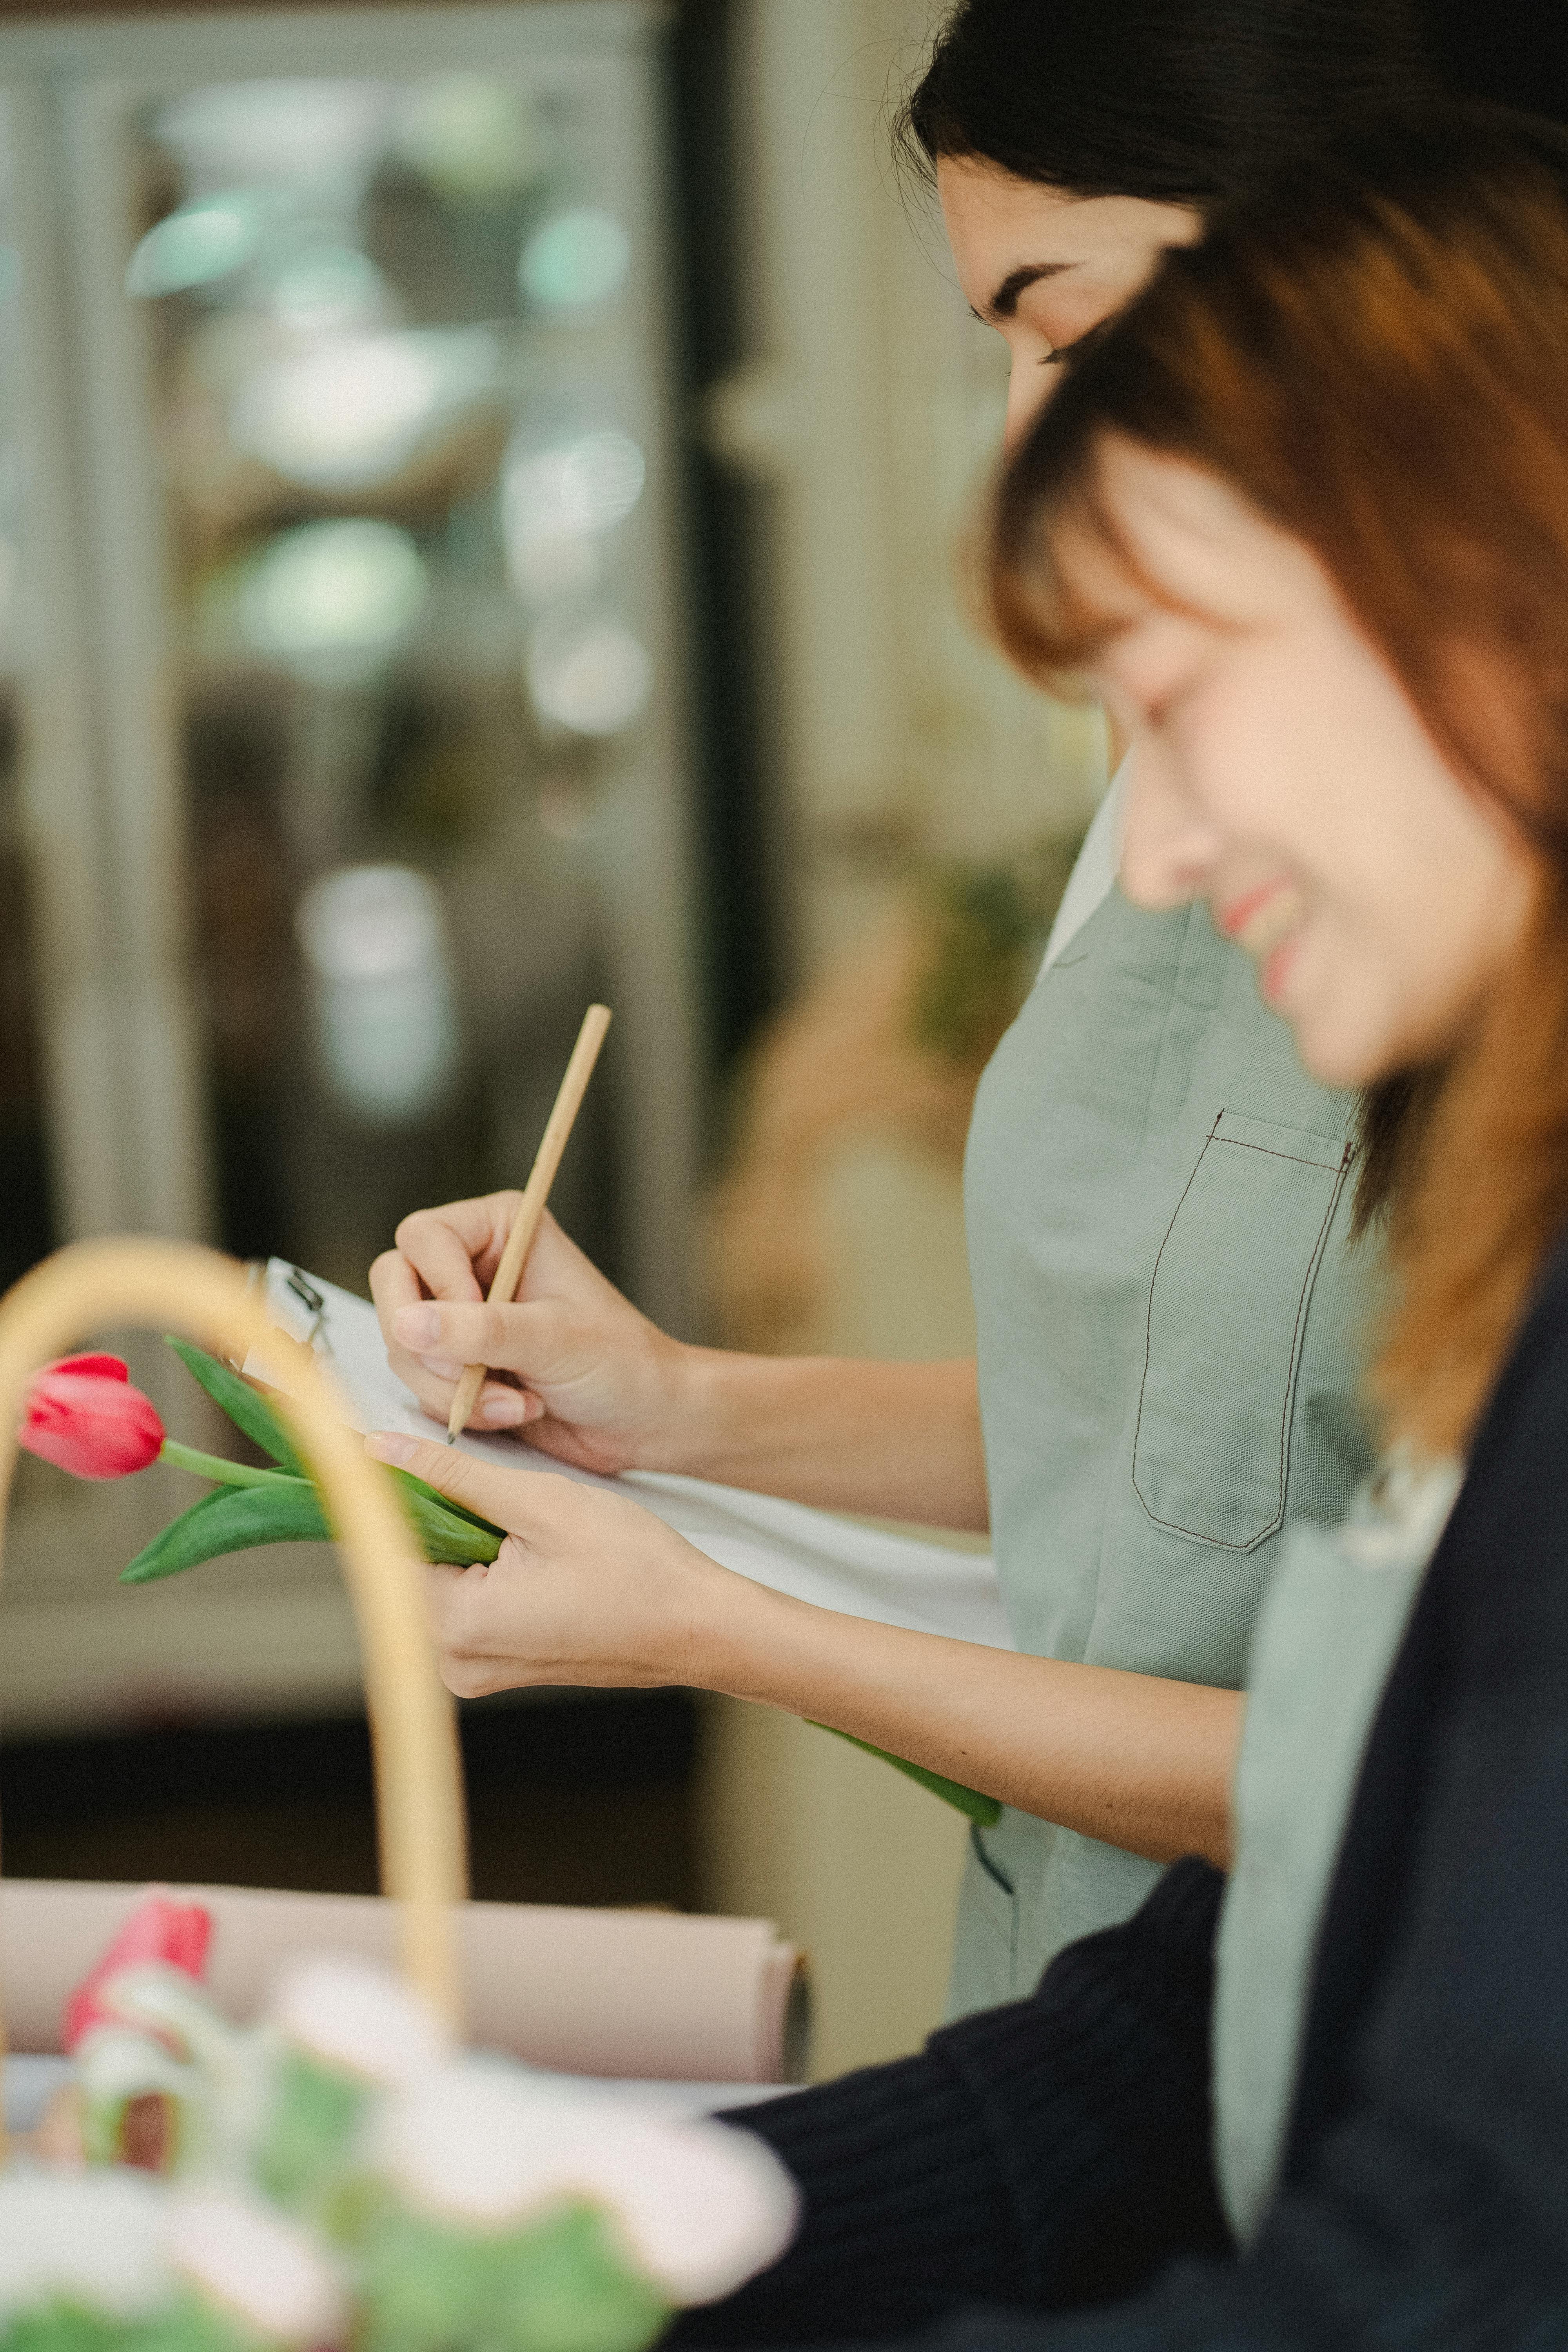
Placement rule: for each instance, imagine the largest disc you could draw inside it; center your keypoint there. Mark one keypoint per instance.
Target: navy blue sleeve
(1047, 2154)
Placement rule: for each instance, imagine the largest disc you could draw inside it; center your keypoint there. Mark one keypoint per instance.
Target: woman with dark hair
(1304, 514)
(1170, 1295)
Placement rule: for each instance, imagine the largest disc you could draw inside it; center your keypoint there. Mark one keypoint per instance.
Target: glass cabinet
(342, 748)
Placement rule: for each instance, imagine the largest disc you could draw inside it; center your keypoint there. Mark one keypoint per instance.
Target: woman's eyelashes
(1079, 343)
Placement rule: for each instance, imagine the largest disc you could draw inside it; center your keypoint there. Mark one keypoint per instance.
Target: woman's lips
(1276, 968)
(1265, 922)
(1263, 918)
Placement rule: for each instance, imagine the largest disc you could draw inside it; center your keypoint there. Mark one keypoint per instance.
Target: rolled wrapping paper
(628, 1993)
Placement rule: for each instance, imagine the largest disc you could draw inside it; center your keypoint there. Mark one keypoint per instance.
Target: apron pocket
(1226, 1311)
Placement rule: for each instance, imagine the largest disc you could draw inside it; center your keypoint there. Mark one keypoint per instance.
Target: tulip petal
(158, 1929)
(94, 1425)
(103, 1367)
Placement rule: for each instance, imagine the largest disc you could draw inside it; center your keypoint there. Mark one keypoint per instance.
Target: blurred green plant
(985, 928)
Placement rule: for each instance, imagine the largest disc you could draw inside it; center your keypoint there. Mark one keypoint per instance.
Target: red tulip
(84, 1415)
(175, 1933)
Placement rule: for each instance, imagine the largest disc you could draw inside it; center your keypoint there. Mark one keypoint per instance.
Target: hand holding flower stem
(84, 1415)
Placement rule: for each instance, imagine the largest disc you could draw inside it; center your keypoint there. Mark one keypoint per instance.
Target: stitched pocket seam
(1221, 1543)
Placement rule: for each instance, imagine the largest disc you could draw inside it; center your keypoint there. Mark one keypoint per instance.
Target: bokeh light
(374, 941)
(576, 259)
(472, 137)
(353, 409)
(589, 674)
(330, 601)
(557, 501)
(199, 244)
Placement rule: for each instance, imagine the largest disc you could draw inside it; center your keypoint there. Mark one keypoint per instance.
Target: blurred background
(480, 498)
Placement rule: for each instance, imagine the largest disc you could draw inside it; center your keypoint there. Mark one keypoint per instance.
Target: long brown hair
(1374, 351)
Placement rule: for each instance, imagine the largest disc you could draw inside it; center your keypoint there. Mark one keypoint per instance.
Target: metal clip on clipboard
(315, 1306)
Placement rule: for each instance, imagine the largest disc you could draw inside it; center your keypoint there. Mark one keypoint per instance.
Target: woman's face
(1282, 774)
(1043, 267)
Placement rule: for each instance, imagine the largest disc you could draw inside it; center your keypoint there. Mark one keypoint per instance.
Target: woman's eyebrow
(1005, 302)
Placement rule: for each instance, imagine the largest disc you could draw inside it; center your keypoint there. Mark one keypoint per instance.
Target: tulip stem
(221, 1471)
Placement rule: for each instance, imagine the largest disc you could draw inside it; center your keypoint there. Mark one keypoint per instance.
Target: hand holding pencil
(558, 1127)
(574, 1369)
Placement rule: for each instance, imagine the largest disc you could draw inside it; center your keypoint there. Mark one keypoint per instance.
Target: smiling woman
(1374, 894)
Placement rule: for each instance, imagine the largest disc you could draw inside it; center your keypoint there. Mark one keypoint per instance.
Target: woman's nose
(1028, 389)
(1169, 849)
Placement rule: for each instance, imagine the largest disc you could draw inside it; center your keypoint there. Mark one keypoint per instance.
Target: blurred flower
(136, 2099)
(83, 1415)
(360, 2019)
(175, 1933)
(696, 2207)
(90, 2241)
(341, 2032)
(257, 2268)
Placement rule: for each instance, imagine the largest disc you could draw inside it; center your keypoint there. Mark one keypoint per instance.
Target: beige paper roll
(639, 1993)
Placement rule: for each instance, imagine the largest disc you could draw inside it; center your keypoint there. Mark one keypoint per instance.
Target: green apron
(1171, 1316)
(1325, 1643)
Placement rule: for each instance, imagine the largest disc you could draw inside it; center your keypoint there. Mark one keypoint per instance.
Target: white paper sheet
(811, 1554)
(31, 2080)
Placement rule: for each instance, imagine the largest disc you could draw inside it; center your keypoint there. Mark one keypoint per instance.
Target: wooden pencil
(525, 1224)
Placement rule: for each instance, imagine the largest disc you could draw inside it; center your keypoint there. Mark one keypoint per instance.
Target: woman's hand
(576, 1371)
(573, 1365)
(591, 1589)
(588, 1589)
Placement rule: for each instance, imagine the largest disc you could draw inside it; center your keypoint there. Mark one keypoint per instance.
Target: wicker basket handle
(94, 1285)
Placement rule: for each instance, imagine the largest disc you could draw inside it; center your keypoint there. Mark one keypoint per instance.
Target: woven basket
(97, 1285)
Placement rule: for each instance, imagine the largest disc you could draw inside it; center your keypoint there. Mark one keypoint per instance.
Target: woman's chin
(1341, 1044)
(1341, 1058)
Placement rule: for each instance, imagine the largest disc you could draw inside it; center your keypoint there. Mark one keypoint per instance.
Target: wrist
(751, 1643)
(683, 1433)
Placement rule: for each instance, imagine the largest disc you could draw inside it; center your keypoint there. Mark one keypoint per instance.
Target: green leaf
(310, 2123)
(248, 1410)
(983, 1811)
(562, 2281)
(219, 1469)
(288, 1511)
(445, 1502)
(234, 1519)
(444, 1533)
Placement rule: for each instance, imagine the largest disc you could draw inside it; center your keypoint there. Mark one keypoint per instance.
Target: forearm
(1137, 1761)
(1042, 2156)
(895, 1441)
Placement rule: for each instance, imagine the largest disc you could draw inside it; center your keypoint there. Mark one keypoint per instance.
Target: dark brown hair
(1178, 101)
(1374, 351)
